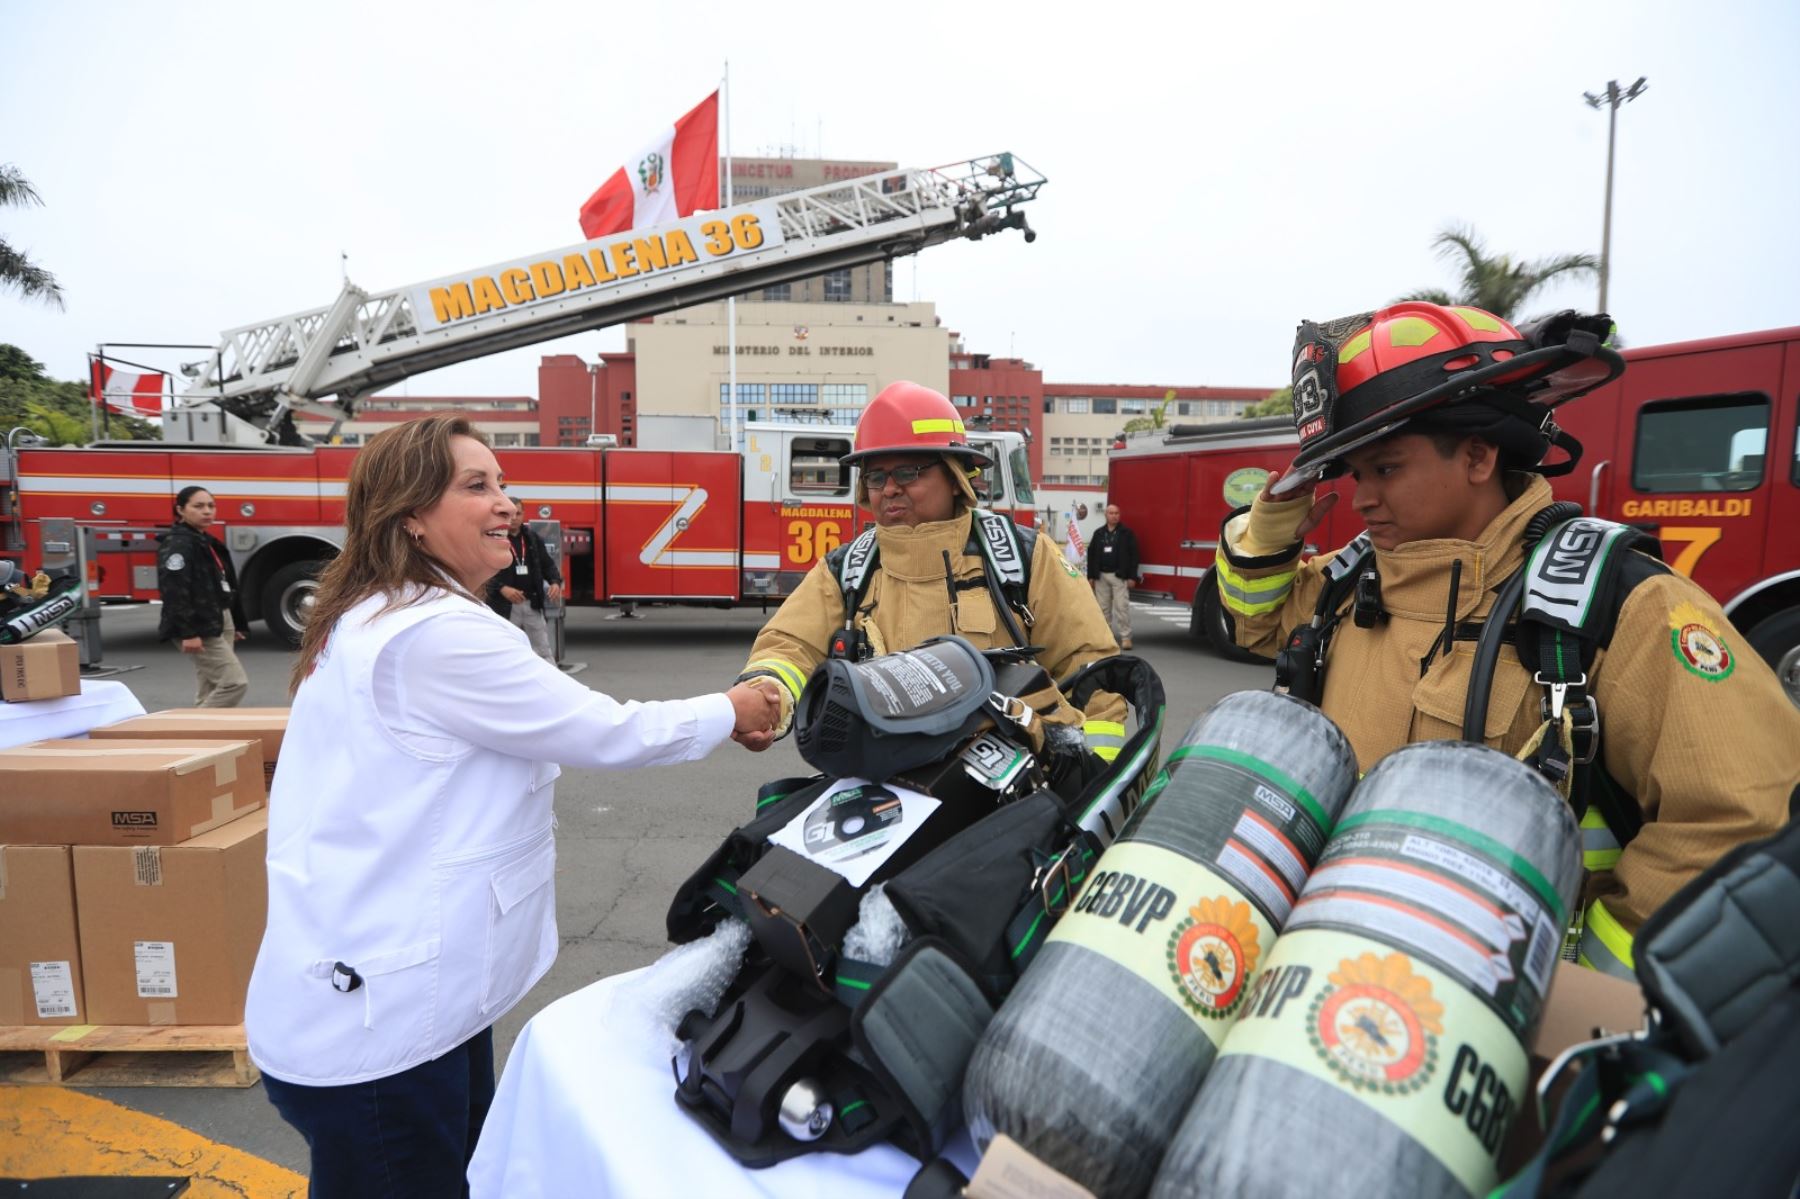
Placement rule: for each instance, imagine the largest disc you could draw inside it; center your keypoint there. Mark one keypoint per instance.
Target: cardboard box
(125, 793)
(169, 933)
(1582, 1001)
(47, 666)
(267, 725)
(40, 956)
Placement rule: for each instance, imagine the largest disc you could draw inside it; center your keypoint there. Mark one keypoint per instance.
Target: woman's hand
(190, 645)
(757, 704)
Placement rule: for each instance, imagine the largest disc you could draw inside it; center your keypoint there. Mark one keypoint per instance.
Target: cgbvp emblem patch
(1212, 954)
(1377, 1025)
(1698, 646)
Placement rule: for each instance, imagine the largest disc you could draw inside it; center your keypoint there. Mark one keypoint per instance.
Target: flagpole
(97, 388)
(730, 301)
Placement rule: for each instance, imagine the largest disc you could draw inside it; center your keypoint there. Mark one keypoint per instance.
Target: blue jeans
(409, 1134)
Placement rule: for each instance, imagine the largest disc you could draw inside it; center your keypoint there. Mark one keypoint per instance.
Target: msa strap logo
(1002, 543)
(134, 819)
(1566, 568)
(856, 561)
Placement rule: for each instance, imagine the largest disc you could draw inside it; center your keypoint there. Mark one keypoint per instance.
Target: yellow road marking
(53, 1132)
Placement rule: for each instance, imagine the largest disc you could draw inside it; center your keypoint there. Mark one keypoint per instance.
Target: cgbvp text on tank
(1116, 893)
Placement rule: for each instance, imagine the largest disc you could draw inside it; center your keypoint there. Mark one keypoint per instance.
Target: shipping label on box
(125, 792)
(53, 989)
(48, 666)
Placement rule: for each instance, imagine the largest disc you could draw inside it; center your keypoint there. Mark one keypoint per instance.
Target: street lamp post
(1612, 97)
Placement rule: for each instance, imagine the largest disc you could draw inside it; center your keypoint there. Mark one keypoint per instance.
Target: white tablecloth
(103, 701)
(586, 1106)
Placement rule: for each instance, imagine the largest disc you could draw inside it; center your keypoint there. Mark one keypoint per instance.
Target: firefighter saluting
(936, 563)
(1474, 607)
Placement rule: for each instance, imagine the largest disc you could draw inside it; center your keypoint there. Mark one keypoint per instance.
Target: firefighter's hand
(512, 595)
(190, 645)
(1321, 508)
(758, 711)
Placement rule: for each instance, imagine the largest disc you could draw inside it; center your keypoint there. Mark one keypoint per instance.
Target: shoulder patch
(175, 561)
(1697, 644)
(1068, 567)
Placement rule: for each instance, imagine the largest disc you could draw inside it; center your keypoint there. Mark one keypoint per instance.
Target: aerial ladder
(324, 361)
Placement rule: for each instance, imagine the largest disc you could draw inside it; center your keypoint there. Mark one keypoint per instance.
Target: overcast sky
(1216, 174)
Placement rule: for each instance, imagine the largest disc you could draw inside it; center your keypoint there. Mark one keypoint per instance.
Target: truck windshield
(1021, 475)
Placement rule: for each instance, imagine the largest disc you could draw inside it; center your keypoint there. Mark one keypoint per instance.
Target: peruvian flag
(135, 395)
(676, 174)
(1075, 549)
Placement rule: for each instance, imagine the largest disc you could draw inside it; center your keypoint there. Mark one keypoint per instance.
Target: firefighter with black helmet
(936, 563)
(1474, 607)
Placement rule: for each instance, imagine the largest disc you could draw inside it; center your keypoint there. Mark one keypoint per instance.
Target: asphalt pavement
(625, 839)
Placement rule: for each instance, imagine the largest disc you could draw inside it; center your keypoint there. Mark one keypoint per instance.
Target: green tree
(1158, 417)
(16, 270)
(1495, 282)
(1279, 403)
(59, 411)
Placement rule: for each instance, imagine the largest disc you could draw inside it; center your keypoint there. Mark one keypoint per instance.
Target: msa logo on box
(134, 819)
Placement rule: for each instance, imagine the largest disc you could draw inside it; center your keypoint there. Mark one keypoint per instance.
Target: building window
(779, 291)
(501, 440)
(531, 439)
(837, 285)
(748, 393)
(1132, 407)
(1049, 403)
(963, 401)
(815, 467)
(844, 395)
(790, 394)
(1075, 404)
(1106, 407)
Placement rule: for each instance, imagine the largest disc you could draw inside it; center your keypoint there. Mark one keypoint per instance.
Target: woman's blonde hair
(402, 471)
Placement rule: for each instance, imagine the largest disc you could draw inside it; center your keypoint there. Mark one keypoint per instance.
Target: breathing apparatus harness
(814, 1048)
(29, 605)
(1558, 610)
(1005, 551)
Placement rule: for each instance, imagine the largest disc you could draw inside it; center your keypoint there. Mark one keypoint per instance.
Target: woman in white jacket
(411, 863)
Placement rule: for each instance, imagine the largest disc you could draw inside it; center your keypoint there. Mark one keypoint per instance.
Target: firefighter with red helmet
(935, 563)
(1621, 681)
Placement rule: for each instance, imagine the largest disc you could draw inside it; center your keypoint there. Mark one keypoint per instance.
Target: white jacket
(410, 834)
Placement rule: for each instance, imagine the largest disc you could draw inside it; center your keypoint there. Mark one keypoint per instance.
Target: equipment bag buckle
(1559, 689)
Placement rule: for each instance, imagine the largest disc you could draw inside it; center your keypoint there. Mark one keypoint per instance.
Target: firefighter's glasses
(906, 476)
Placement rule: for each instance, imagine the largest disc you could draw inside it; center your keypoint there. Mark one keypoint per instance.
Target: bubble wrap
(690, 976)
(879, 931)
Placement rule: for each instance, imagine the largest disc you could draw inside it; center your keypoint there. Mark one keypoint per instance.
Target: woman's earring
(417, 536)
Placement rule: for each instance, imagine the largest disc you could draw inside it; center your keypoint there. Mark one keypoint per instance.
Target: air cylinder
(1383, 1048)
(1094, 1056)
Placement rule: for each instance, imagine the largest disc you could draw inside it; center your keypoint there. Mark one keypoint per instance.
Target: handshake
(757, 705)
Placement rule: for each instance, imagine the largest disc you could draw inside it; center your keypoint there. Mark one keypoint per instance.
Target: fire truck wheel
(288, 599)
(1777, 639)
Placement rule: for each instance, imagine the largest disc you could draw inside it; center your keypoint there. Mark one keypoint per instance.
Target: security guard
(939, 566)
(1441, 417)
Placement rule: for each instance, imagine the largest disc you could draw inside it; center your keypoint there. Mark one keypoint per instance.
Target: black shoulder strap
(853, 565)
(1006, 549)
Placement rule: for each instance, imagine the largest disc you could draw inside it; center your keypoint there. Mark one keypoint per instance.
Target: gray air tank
(1093, 1057)
(1383, 1046)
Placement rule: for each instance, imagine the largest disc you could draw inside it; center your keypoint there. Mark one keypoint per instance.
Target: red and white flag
(135, 395)
(1075, 549)
(675, 175)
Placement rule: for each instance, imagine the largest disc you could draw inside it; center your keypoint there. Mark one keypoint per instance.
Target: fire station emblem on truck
(1212, 954)
(1697, 646)
(1377, 1025)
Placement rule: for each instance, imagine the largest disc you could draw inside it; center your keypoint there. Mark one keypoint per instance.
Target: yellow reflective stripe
(1605, 945)
(1106, 753)
(1475, 318)
(786, 672)
(938, 424)
(1411, 331)
(1103, 727)
(1252, 597)
(1355, 346)
(1104, 737)
(1600, 850)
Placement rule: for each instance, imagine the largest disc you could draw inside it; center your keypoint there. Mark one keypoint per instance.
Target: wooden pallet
(90, 1055)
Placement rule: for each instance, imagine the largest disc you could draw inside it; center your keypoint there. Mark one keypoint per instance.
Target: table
(101, 702)
(586, 1106)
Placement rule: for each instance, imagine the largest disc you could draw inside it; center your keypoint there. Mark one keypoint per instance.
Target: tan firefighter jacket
(1693, 723)
(908, 601)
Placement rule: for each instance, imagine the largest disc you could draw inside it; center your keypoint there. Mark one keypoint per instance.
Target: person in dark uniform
(201, 609)
(1112, 567)
(518, 592)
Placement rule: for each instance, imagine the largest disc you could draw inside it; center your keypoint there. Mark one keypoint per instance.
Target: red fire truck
(691, 526)
(1696, 443)
(715, 527)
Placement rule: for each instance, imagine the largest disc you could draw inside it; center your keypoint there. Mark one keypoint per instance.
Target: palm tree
(16, 270)
(1157, 418)
(1497, 284)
